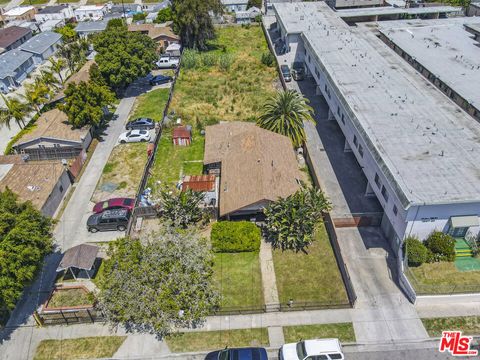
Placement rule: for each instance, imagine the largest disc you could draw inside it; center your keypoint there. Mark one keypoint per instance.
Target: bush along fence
(149, 211)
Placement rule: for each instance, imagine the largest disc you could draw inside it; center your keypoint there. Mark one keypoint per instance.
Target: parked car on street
(167, 62)
(134, 136)
(160, 79)
(140, 124)
(109, 220)
(325, 349)
(298, 71)
(286, 73)
(252, 353)
(113, 204)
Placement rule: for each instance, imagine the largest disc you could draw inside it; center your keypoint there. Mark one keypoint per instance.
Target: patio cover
(80, 257)
(464, 221)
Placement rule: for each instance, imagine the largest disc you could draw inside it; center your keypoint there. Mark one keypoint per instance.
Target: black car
(140, 124)
(109, 220)
(286, 73)
(298, 71)
(160, 79)
(251, 353)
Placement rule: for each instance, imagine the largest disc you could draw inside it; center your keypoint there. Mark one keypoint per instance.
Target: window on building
(308, 57)
(343, 119)
(355, 140)
(395, 210)
(384, 193)
(360, 150)
(61, 188)
(377, 180)
(326, 89)
(338, 110)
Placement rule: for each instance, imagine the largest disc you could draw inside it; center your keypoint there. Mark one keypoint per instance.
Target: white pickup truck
(167, 62)
(319, 349)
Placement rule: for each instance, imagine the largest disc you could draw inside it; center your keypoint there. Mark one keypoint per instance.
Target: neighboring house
(81, 75)
(53, 138)
(51, 25)
(44, 184)
(256, 167)
(174, 50)
(473, 29)
(15, 65)
(235, 5)
(90, 12)
(14, 36)
(474, 9)
(182, 136)
(246, 17)
(56, 12)
(42, 46)
(151, 17)
(25, 13)
(162, 34)
(208, 184)
(84, 29)
(31, 25)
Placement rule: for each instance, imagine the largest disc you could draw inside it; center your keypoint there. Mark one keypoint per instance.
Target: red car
(115, 203)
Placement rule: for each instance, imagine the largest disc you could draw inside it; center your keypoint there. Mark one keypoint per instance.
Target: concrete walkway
(269, 281)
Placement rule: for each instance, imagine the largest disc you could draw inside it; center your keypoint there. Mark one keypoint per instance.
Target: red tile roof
(199, 183)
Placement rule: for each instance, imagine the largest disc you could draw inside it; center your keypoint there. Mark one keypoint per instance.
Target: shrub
(235, 236)
(441, 245)
(190, 59)
(268, 59)
(225, 61)
(209, 59)
(416, 252)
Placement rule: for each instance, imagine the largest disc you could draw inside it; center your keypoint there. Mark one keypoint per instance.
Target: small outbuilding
(79, 258)
(182, 136)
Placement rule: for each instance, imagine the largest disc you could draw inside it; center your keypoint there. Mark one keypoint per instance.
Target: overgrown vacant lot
(122, 173)
(209, 94)
(214, 340)
(312, 277)
(151, 104)
(443, 278)
(237, 277)
(80, 348)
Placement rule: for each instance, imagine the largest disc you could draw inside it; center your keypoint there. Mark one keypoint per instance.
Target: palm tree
(56, 66)
(47, 77)
(14, 109)
(285, 114)
(37, 94)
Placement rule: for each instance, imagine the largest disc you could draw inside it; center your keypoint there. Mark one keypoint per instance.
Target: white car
(134, 136)
(167, 62)
(321, 349)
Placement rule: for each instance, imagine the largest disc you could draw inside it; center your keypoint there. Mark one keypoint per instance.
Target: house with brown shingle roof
(82, 75)
(54, 138)
(13, 36)
(256, 166)
(162, 34)
(43, 183)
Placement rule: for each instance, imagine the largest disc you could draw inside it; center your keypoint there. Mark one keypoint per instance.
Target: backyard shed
(182, 136)
(80, 257)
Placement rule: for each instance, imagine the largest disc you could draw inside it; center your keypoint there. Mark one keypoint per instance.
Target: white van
(319, 349)
(167, 62)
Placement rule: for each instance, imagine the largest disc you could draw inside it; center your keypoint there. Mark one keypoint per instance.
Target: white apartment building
(56, 12)
(90, 12)
(418, 149)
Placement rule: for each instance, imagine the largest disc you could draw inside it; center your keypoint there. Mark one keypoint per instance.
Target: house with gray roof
(235, 5)
(15, 65)
(87, 28)
(42, 46)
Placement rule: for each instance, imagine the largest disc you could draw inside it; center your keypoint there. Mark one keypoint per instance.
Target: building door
(459, 232)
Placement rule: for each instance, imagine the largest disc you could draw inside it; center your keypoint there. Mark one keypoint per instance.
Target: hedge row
(235, 236)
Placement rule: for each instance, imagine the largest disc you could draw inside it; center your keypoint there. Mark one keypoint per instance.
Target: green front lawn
(342, 331)
(237, 276)
(208, 94)
(173, 161)
(80, 348)
(34, 2)
(310, 278)
(213, 340)
(151, 104)
(70, 297)
(443, 278)
(469, 325)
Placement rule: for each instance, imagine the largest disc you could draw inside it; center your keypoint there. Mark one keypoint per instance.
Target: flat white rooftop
(444, 48)
(19, 10)
(91, 7)
(391, 10)
(428, 147)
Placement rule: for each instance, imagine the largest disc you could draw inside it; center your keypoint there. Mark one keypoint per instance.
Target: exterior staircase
(462, 249)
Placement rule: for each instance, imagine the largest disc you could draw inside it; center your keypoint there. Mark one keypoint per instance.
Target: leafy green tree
(57, 66)
(139, 16)
(85, 103)
(25, 239)
(192, 21)
(123, 56)
(74, 53)
(441, 245)
(256, 3)
(116, 23)
(37, 94)
(68, 33)
(164, 15)
(182, 208)
(285, 114)
(14, 110)
(159, 284)
(290, 222)
(416, 251)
